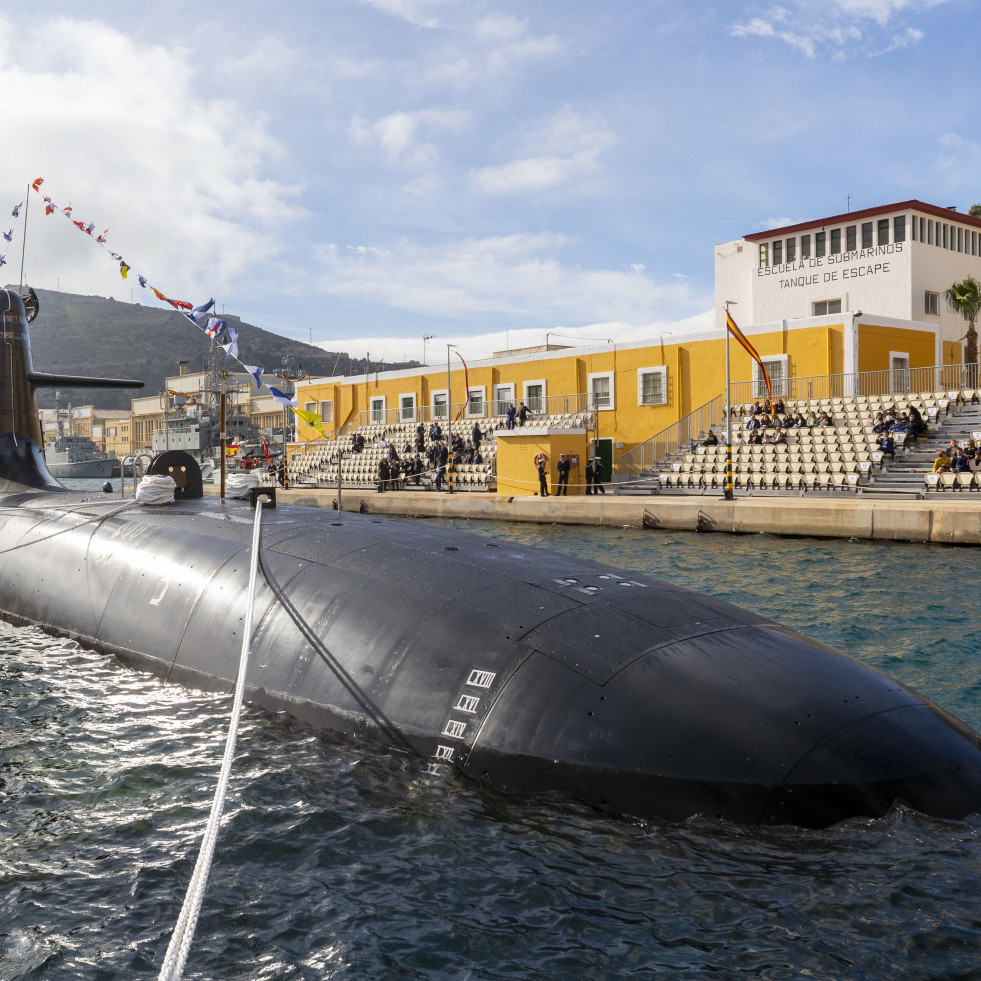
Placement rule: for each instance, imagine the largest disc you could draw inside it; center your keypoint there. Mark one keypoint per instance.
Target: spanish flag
(744, 341)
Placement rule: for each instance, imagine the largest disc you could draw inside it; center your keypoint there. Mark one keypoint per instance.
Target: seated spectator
(778, 437)
(756, 437)
(960, 462)
(888, 445)
(900, 425)
(757, 409)
(798, 420)
(711, 439)
(766, 420)
(917, 427)
(881, 426)
(812, 420)
(753, 423)
(975, 462)
(942, 463)
(779, 408)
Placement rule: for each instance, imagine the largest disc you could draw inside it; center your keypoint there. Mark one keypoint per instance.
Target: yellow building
(631, 392)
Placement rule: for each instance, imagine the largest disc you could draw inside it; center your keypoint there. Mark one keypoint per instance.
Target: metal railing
(646, 459)
(899, 382)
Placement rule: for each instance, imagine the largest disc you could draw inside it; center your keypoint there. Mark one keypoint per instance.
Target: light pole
(728, 494)
(425, 337)
(449, 425)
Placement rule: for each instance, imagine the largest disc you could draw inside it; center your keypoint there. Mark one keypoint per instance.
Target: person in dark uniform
(476, 436)
(598, 487)
(542, 476)
(383, 474)
(589, 476)
(563, 467)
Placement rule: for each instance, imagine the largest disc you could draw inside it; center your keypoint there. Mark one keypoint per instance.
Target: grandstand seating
(842, 458)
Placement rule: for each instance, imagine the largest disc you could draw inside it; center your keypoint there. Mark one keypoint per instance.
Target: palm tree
(965, 298)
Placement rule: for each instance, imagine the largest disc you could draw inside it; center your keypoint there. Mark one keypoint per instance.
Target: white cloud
(516, 277)
(812, 27)
(396, 135)
(568, 147)
(116, 129)
(422, 13)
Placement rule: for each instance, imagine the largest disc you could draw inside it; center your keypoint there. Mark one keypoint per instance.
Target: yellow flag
(311, 419)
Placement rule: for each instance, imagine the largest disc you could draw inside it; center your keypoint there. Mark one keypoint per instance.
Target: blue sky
(367, 172)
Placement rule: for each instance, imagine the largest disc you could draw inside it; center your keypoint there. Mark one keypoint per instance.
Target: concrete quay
(944, 521)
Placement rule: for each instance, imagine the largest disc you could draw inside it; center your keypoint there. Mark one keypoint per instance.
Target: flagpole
(23, 243)
(728, 494)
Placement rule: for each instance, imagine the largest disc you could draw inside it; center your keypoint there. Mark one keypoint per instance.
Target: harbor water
(336, 860)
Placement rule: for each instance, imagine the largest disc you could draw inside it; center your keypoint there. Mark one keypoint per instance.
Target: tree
(965, 298)
(974, 211)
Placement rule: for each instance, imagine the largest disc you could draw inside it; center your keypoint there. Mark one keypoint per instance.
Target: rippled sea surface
(336, 861)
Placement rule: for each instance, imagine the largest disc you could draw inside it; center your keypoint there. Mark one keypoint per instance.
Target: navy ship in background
(523, 670)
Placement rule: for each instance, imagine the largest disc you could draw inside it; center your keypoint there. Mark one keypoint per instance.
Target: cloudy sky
(363, 173)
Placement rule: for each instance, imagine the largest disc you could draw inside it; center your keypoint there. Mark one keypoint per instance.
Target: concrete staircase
(904, 478)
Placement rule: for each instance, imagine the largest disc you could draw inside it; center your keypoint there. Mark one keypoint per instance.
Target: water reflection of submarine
(527, 671)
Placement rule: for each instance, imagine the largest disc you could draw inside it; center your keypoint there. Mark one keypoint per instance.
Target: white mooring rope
(180, 942)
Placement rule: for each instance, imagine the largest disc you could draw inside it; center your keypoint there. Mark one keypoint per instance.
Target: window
(535, 395)
(477, 404)
(899, 228)
(764, 255)
(805, 246)
(601, 393)
(960, 239)
(883, 232)
(974, 243)
(407, 407)
(923, 229)
(945, 236)
(777, 248)
(776, 368)
(327, 410)
(867, 235)
(851, 238)
(502, 395)
(835, 241)
(378, 408)
(820, 243)
(930, 306)
(652, 386)
(912, 229)
(439, 405)
(791, 250)
(930, 231)
(823, 307)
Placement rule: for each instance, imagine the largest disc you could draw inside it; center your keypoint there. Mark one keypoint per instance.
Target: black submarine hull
(526, 671)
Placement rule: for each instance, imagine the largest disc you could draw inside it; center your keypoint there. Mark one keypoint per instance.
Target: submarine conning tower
(21, 460)
(18, 406)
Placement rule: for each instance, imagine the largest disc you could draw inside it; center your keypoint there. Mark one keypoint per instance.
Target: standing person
(417, 469)
(510, 416)
(476, 436)
(589, 476)
(598, 487)
(522, 414)
(542, 463)
(383, 473)
(563, 466)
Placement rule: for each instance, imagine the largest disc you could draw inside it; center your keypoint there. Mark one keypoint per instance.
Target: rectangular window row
(834, 241)
(956, 238)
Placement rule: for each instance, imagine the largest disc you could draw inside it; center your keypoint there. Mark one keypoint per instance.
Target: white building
(893, 261)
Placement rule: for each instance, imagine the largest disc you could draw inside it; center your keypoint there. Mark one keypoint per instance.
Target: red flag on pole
(744, 341)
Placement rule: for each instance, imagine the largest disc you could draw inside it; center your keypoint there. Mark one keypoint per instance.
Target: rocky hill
(91, 335)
